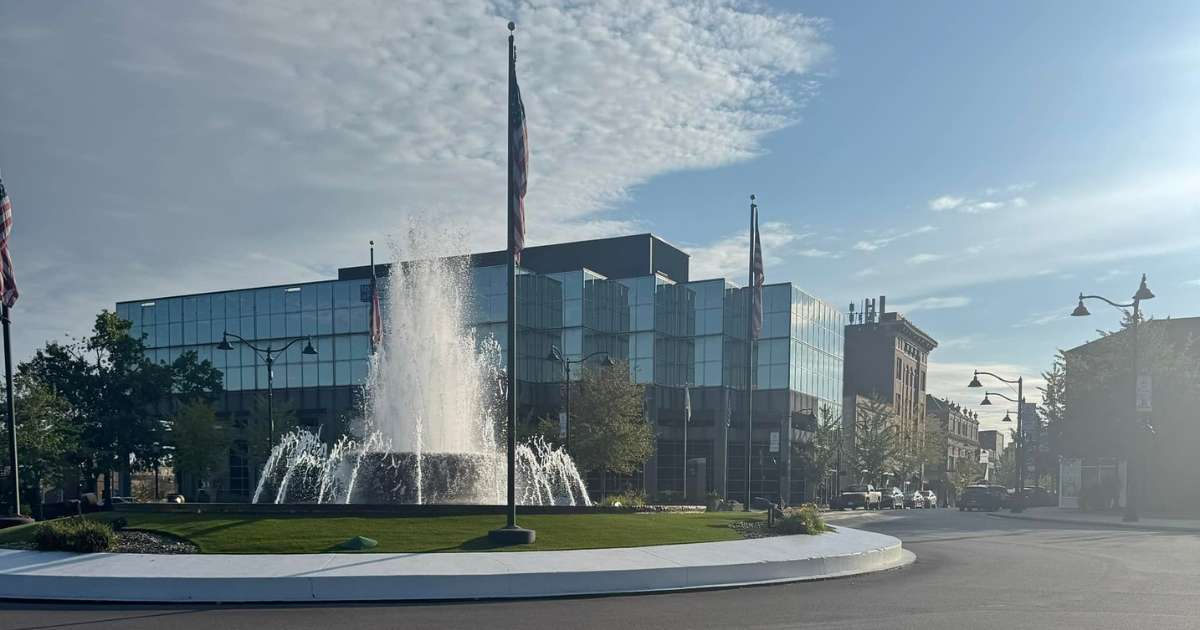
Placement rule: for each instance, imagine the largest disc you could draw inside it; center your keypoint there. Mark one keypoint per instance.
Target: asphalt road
(972, 571)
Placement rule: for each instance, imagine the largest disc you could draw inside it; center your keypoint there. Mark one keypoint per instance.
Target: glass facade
(334, 313)
(674, 335)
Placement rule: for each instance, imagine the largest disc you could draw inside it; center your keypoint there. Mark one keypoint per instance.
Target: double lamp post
(268, 355)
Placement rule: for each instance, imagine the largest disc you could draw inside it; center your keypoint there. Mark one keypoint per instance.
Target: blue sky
(979, 163)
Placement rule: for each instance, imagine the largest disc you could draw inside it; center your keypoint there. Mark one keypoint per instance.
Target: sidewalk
(1104, 519)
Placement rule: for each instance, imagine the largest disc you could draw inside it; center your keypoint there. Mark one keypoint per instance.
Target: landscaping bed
(229, 533)
(244, 533)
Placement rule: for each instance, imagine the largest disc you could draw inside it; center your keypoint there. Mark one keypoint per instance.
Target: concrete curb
(444, 576)
(1101, 524)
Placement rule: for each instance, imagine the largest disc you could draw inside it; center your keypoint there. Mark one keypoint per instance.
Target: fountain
(434, 429)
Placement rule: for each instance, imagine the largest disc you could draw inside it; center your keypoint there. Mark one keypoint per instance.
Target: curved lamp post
(268, 354)
(566, 364)
(1143, 293)
(1020, 446)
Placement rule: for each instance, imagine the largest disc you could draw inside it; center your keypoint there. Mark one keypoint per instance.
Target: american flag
(756, 275)
(518, 162)
(8, 281)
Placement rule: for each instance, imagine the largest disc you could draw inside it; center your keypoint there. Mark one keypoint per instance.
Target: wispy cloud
(972, 205)
(1048, 316)
(946, 202)
(933, 304)
(871, 245)
(726, 257)
(921, 259)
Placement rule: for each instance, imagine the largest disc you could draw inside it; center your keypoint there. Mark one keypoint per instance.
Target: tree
(46, 437)
(1054, 412)
(819, 455)
(200, 444)
(877, 447)
(609, 433)
(119, 399)
(258, 426)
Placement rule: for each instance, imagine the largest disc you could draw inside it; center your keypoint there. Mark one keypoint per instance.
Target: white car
(930, 498)
(914, 499)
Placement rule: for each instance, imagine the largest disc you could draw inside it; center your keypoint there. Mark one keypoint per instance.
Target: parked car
(930, 498)
(981, 497)
(891, 498)
(914, 499)
(864, 496)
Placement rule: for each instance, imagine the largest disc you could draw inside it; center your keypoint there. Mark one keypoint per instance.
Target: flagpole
(750, 287)
(687, 418)
(511, 533)
(11, 417)
(374, 288)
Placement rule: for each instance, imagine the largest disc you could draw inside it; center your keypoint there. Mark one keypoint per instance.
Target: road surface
(972, 571)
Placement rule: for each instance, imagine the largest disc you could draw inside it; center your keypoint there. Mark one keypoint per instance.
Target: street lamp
(566, 364)
(1131, 469)
(268, 353)
(1020, 400)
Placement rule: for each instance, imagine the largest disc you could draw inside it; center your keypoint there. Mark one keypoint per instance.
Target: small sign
(774, 441)
(562, 424)
(983, 456)
(1144, 390)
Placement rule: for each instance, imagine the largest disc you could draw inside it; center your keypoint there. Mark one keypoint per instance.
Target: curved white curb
(433, 576)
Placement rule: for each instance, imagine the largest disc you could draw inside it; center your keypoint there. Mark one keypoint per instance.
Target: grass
(232, 533)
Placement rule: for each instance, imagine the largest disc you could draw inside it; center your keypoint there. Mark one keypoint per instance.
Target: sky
(978, 163)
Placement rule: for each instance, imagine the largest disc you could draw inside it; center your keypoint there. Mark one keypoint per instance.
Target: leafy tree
(877, 448)
(1053, 413)
(820, 454)
(609, 432)
(118, 399)
(201, 445)
(45, 435)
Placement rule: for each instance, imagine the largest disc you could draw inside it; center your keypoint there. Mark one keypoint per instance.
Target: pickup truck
(863, 495)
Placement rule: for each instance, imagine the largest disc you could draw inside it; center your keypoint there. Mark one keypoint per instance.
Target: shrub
(805, 519)
(628, 498)
(74, 534)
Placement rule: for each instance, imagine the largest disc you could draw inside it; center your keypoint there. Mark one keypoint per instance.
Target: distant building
(1097, 434)
(960, 441)
(991, 445)
(886, 358)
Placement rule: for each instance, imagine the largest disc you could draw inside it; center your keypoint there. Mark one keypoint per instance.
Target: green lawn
(217, 533)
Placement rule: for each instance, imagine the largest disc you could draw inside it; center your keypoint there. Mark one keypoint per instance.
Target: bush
(805, 519)
(628, 498)
(74, 534)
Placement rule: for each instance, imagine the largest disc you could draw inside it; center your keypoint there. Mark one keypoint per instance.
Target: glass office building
(630, 297)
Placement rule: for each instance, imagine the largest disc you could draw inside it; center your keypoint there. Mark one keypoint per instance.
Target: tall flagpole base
(515, 535)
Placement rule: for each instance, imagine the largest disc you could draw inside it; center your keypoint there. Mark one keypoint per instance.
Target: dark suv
(987, 498)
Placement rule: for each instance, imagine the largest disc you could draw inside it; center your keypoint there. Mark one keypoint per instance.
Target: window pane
(294, 378)
(358, 319)
(325, 374)
(360, 346)
(359, 372)
(341, 320)
(342, 374)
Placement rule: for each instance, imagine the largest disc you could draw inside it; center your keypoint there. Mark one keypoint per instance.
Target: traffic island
(206, 578)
